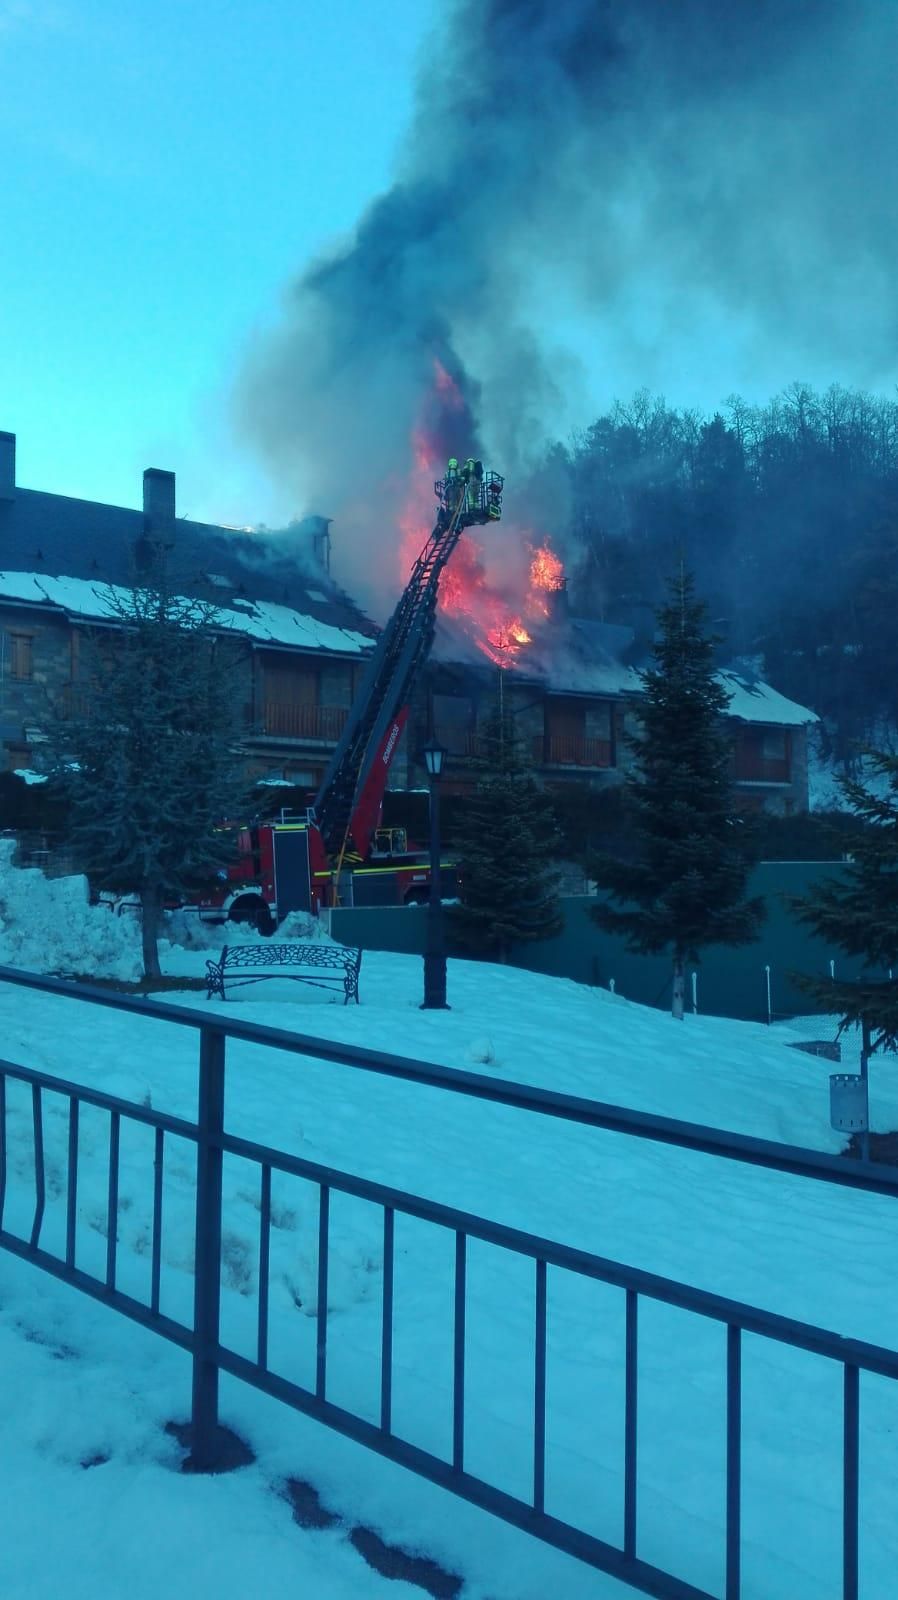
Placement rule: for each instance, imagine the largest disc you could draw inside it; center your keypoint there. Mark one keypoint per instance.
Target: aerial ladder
(347, 806)
(295, 862)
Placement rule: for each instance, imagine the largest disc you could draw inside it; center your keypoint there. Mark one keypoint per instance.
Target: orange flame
(498, 623)
(546, 570)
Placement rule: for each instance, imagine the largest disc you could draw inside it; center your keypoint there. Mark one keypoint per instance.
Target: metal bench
(327, 966)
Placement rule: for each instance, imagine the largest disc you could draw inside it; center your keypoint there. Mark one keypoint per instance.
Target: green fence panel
(730, 982)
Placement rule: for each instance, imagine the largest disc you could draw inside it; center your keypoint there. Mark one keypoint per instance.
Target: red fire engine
(337, 853)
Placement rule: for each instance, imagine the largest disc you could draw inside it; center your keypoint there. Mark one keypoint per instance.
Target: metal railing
(289, 720)
(211, 1356)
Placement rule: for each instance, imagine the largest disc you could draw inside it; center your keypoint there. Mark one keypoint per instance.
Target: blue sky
(167, 168)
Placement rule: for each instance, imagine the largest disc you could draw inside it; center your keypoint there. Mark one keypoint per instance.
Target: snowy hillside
(824, 793)
(131, 1526)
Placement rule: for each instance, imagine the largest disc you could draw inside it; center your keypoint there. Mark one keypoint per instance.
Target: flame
(546, 570)
(446, 387)
(493, 612)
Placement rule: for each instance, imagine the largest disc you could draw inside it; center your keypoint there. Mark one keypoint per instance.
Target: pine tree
(150, 766)
(684, 889)
(858, 911)
(506, 840)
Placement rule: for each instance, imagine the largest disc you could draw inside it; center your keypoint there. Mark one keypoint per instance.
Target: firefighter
(450, 484)
(473, 477)
(494, 500)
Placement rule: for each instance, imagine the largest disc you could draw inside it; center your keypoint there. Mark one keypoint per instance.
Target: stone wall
(28, 705)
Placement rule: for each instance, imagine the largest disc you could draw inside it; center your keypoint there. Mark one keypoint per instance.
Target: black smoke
(647, 192)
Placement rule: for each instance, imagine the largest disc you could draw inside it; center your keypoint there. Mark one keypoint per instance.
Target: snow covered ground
(86, 1465)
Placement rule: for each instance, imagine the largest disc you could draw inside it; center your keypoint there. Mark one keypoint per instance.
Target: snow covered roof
(581, 655)
(55, 535)
(752, 700)
(262, 620)
(577, 656)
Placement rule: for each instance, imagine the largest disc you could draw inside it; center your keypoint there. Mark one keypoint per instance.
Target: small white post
(611, 984)
(832, 969)
(694, 993)
(769, 1010)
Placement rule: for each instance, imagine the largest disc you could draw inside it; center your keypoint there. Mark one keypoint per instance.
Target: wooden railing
(75, 702)
(570, 750)
(749, 766)
(459, 741)
(291, 721)
(551, 750)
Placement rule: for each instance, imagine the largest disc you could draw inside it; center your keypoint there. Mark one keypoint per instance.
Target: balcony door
(578, 732)
(290, 699)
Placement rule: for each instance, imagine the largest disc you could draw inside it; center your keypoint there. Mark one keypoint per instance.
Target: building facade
(575, 713)
(64, 562)
(303, 649)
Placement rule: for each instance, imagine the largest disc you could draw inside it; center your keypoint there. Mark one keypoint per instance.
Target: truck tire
(254, 911)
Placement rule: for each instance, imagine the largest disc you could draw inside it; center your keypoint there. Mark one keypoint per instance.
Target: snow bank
(801, 1249)
(48, 925)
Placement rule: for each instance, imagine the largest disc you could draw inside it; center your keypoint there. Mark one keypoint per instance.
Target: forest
(786, 513)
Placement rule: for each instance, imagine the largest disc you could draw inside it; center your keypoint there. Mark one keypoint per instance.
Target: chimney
(158, 499)
(7, 466)
(314, 533)
(321, 542)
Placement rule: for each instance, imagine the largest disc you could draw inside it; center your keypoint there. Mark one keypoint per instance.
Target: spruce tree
(858, 911)
(506, 839)
(150, 766)
(684, 889)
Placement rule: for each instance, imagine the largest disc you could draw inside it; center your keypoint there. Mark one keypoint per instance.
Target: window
(773, 744)
(21, 655)
(291, 685)
(578, 733)
(762, 755)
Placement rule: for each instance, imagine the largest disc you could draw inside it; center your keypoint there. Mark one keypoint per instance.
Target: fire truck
(336, 853)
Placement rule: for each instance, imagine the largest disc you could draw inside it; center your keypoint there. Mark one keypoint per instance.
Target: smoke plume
(594, 195)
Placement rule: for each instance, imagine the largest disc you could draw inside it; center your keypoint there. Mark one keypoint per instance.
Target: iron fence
(211, 1356)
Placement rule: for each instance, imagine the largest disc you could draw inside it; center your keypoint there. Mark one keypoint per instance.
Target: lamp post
(435, 946)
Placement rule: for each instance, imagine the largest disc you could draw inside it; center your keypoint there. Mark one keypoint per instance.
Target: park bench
(325, 966)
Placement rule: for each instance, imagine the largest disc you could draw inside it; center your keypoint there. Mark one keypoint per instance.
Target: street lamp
(435, 946)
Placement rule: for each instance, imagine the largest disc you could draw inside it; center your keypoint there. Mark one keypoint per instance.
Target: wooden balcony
(287, 720)
(74, 702)
(551, 750)
(458, 741)
(750, 766)
(569, 750)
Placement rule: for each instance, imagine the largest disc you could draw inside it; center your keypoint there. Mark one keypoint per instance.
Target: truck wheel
(255, 913)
